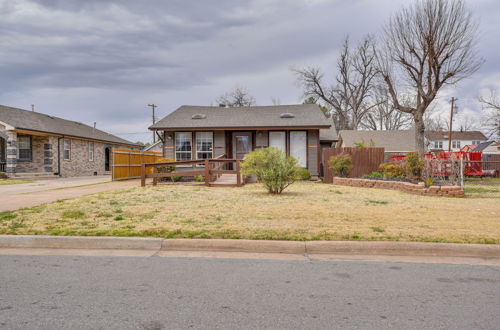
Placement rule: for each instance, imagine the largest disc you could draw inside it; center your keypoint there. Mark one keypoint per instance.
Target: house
(489, 147)
(35, 144)
(394, 142)
(438, 140)
(200, 132)
(156, 147)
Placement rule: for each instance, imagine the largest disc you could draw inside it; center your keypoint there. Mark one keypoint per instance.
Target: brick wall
(418, 189)
(79, 163)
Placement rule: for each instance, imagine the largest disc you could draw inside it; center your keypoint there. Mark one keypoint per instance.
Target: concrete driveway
(31, 194)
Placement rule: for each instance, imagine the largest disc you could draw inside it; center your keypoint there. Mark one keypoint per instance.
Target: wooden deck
(217, 172)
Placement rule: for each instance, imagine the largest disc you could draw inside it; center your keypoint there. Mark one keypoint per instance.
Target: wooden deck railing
(210, 169)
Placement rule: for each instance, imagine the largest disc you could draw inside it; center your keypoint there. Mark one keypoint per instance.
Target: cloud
(104, 61)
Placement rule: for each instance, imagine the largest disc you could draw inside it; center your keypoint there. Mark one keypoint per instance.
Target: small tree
(272, 167)
(340, 165)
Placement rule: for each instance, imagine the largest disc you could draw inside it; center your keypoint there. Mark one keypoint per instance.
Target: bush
(373, 175)
(176, 178)
(199, 178)
(392, 170)
(413, 166)
(304, 174)
(340, 165)
(166, 168)
(272, 167)
(3, 175)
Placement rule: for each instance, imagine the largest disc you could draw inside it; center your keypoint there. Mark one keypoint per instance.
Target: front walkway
(23, 195)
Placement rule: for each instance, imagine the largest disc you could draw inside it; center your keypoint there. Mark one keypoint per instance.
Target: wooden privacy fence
(126, 163)
(364, 161)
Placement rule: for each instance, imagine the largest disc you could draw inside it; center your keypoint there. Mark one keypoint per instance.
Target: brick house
(200, 132)
(35, 144)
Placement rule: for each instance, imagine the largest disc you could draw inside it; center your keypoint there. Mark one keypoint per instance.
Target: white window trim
(90, 151)
(64, 149)
(184, 152)
(196, 145)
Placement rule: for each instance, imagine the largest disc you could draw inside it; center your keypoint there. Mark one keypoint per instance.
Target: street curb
(79, 242)
(253, 246)
(234, 245)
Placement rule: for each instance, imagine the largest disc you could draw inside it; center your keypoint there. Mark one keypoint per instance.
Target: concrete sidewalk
(14, 198)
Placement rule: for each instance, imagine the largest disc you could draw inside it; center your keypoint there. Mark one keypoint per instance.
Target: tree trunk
(418, 117)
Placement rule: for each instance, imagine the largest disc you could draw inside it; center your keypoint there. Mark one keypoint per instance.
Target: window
(24, 152)
(67, 149)
(91, 151)
(277, 140)
(477, 142)
(455, 144)
(438, 144)
(204, 145)
(183, 146)
(298, 146)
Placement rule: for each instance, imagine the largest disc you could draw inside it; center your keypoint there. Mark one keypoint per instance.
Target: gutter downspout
(59, 156)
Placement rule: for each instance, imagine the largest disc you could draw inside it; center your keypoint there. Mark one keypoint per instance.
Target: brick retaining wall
(417, 189)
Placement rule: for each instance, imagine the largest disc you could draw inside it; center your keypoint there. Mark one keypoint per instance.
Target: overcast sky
(104, 61)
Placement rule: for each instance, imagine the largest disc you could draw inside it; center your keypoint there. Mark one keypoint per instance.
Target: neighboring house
(489, 147)
(156, 147)
(37, 144)
(200, 132)
(394, 142)
(438, 140)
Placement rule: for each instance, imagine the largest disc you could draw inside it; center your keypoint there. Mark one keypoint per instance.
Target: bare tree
(238, 97)
(491, 105)
(427, 45)
(349, 99)
(384, 116)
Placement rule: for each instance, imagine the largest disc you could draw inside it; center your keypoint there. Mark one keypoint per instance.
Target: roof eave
(237, 127)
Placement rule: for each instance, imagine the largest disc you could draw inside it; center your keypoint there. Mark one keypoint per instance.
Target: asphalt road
(69, 292)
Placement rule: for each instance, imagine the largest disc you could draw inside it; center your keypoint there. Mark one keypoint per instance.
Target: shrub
(392, 170)
(429, 181)
(3, 175)
(340, 165)
(373, 175)
(176, 178)
(166, 168)
(413, 166)
(304, 174)
(272, 167)
(199, 178)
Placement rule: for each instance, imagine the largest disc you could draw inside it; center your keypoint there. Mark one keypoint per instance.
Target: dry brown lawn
(305, 211)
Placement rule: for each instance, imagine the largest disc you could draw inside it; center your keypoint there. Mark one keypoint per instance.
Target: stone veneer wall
(418, 189)
(79, 164)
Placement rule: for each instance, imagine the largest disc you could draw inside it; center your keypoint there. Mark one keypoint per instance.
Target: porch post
(11, 158)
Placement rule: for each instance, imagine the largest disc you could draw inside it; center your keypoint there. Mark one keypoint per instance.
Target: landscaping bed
(408, 187)
(305, 211)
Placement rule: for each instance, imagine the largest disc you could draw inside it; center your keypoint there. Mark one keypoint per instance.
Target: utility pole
(153, 106)
(33, 107)
(453, 99)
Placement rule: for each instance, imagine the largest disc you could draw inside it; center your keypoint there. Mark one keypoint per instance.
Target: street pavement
(76, 292)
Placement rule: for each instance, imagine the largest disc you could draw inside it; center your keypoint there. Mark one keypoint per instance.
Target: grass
(4, 182)
(305, 211)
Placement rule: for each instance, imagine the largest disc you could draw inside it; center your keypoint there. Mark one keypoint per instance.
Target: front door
(242, 144)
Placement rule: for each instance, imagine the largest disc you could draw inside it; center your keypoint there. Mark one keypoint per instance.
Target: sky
(105, 61)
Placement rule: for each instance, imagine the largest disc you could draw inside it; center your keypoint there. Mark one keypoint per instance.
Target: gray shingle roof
(392, 141)
(305, 115)
(483, 145)
(35, 121)
(328, 134)
(456, 135)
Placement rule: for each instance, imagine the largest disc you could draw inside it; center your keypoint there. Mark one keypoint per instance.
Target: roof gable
(196, 117)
